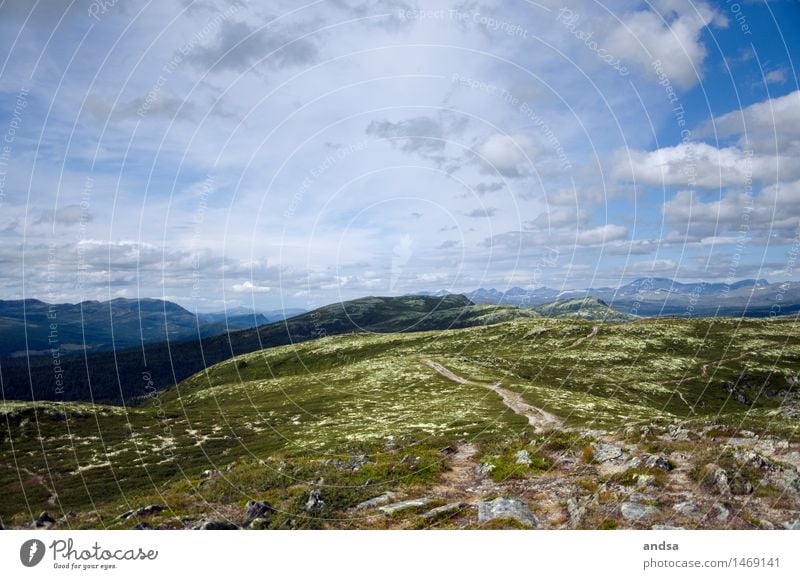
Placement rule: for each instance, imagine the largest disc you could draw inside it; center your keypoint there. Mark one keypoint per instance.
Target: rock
(383, 499)
(257, 510)
(404, 505)
(314, 501)
(44, 520)
(484, 469)
(723, 514)
(143, 512)
(505, 508)
(447, 509)
(642, 480)
(755, 459)
(209, 473)
(719, 479)
(688, 509)
(667, 528)
(215, 525)
(576, 512)
(637, 511)
(741, 486)
(523, 457)
(259, 524)
(143, 526)
(608, 453)
(657, 461)
(677, 432)
(792, 525)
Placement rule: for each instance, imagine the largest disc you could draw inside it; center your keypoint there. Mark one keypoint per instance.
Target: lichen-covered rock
(637, 512)
(523, 457)
(383, 499)
(404, 505)
(604, 452)
(506, 508)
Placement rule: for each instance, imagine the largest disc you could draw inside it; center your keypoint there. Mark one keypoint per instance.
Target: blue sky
(225, 153)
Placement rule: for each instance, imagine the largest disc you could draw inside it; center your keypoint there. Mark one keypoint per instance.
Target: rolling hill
(119, 377)
(574, 424)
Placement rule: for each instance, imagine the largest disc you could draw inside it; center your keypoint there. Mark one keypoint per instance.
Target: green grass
(325, 399)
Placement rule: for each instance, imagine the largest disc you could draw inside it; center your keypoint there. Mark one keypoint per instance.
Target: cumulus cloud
(671, 34)
(249, 287)
(701, 165)
(509, 155)
(767, 126)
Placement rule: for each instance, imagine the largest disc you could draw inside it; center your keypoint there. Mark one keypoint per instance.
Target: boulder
(576, 512)
(257, 510)
(448, 509)
(667, 528)
(604, 452)
(143, 512)
(44, 520)
(688, 509)
(404, 505)
(215, 525)
(657, 461)
(637, 512)
(314, 502)
(383, 499)
(792, 525)
(506, 508)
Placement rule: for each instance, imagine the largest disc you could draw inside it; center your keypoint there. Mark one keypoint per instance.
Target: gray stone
(667, 528)
(44, 520)
(608, 453)
(215, 525)
(720, 479)
(637, 511)
(688, 509)
(505, 508)
(523, 457)
(259, 524)
(657, 461)
(404, 505)
(792, 525)
(257, 510)
(143, 512)
(448, 509)
(723, 514)
(383, 499)
(209, 473)
(314, 501)
(576, 512)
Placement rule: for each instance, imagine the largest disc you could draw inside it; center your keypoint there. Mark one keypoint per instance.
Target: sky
(291, 154)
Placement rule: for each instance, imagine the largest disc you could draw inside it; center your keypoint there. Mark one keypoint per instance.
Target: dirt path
(589, 336)
(462, 480)
(537, 418)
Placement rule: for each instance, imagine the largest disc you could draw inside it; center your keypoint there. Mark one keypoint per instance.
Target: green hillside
(350, 417)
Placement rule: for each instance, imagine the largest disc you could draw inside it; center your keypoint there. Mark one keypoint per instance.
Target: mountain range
(655, 296)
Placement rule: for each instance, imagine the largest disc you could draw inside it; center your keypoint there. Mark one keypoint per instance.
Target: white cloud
(702, 165)
(250, 287)
(672, 35)
(602, 234)
(509, 155)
